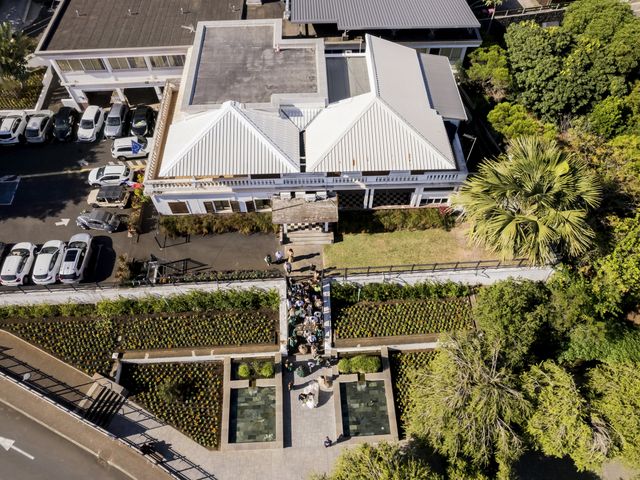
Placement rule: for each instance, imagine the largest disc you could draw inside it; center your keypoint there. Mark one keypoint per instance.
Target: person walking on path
(327, 442)
(290, 257)
(279, 256)
(287, 268)
(267, 259)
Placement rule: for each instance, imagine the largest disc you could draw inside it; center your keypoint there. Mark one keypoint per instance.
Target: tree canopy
(14, 48)
(532, 202)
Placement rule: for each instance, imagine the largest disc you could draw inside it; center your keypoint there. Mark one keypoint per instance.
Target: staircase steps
(104, 407)
(309, 237)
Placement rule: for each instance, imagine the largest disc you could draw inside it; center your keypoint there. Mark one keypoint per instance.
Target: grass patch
(402, 365)
(185, 395)
(403, 248)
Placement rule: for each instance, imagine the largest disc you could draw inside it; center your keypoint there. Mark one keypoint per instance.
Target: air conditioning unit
(321, 195)
(300, 194)
(310, 197)
(285, 195)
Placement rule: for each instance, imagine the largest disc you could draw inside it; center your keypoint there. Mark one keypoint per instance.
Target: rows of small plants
(350, 293)
(410, 317)
(86, 335)
(402, 364)
(185, 395)
(236, 327)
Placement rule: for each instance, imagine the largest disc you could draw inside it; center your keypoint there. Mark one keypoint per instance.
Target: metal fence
(425, 268)
(513, 12)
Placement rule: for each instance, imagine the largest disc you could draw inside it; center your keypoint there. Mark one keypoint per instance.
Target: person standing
(327, 442)
(287, 268)
(267, 260)
(290, 257)
(279, 256)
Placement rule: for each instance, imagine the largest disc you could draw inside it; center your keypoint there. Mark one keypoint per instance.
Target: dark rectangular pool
(364, 408)
(253, 415)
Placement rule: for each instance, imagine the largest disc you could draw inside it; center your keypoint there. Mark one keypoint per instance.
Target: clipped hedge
(360, 364)
(391, 220)
(245, 223)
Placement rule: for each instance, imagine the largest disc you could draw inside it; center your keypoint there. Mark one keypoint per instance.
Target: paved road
(54, 457)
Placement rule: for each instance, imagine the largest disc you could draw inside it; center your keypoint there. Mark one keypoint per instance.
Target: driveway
(52, 192)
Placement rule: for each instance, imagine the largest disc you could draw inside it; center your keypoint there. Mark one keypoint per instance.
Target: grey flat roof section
(442, 87)
(347, 77)
(106, 24)
(239, 63)
(298, 210)
(385, 14)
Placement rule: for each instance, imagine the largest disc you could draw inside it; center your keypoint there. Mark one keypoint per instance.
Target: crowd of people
(304, 306)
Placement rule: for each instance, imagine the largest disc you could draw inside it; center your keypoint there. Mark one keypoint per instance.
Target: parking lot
(53, 189)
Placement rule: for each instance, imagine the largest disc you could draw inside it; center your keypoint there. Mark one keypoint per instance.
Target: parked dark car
(99, 220)
(142, 121)
(64, 123)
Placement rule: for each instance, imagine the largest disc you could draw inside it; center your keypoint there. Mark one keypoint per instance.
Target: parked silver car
(39, 127)
(116, 124)
(99, 220)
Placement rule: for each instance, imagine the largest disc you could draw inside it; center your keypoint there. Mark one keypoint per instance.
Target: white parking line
(53, 174)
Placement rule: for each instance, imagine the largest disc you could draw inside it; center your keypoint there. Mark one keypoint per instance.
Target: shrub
(608, 117)
(365, 364)
(344, 365)
(489, 67)
(390, 220)
(512, 120)
(244, 223)
(244, 371)
(267, 370)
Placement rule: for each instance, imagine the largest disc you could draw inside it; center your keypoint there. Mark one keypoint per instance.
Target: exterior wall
(80, 81)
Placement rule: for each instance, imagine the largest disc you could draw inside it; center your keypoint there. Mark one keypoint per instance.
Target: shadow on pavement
(104, 259)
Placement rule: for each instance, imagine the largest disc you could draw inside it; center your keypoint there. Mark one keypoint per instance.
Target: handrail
(524, 10)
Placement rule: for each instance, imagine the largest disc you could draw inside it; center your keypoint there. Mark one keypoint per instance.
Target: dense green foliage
(381, 462)
(350, 293)
(14, 48)
(392, 220)
(513, 120)
(87, 335)
(185, 395)
(246, 223)
(531, 202)
(489, 67)
(466, 403)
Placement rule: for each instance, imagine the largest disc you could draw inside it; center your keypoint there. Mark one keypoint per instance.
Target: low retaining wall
(388, 341)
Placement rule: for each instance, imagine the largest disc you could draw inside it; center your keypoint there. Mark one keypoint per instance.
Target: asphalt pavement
(36, 453)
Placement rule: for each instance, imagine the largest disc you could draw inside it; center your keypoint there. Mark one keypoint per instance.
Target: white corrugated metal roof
(231, 141)
(385, 14)
(364, 133)
(391, 128)
(301, 116)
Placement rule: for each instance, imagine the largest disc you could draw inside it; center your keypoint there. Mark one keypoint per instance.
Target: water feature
(364, 408)
(253, 415)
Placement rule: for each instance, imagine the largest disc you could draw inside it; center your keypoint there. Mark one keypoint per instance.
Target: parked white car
(131, 147)
(39, 127)
(110, 175)
(76, 258)
(48, 261)
(12, 128)
(90, 124)
(17, 265)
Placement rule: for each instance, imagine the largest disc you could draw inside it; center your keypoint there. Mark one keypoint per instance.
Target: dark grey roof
(240, 63)
(442, 87)
(347, 77)
(104, 24)
(385, 14)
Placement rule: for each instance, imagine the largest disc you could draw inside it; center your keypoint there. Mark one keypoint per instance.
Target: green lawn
(403, 248)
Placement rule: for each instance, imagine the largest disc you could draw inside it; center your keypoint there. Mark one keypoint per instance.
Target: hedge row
(391, 220)
(245, 223)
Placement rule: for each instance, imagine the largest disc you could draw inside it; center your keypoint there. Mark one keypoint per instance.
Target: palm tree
(531, 202)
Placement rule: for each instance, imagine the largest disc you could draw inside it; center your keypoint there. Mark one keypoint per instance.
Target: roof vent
(190, 27)
(131, 13)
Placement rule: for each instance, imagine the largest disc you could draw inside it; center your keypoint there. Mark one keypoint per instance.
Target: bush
(365, 364)
(344, 365)
(267, 370)
(390, 220)
(512, 120)
(245, 223)
(244, 371)
(608, 117)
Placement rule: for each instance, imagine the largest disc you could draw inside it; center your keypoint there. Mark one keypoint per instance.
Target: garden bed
(402, 364)
(185, 395)
(26, 98)
(86, 335)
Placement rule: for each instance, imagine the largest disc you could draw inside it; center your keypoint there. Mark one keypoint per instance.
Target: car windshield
(62, 122)
(71, 255)
(5, 136)
(78, 245)
(100, 172)
(87, 124)
(113, 121)
(20, 252)
(32, 132)
(49, 250)
(140, 122)
(8, 278)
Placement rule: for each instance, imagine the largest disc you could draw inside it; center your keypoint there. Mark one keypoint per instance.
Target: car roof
(90, 111)
(111, 169)
(100, 215)
(80, 237)
(53, 243)
(116, 108)
(26, 245)
(65, 111)
(7, 124)
(111, 191)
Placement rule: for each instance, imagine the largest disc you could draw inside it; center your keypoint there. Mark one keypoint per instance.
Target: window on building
(69, 65)
(167, 61)
(178, 208)
(92, 64)
(376, 173)
(334, 174)
(262, 204)
(260, 176)
(127, 63)
(222, 205)
(453, 54)
(208, 207)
